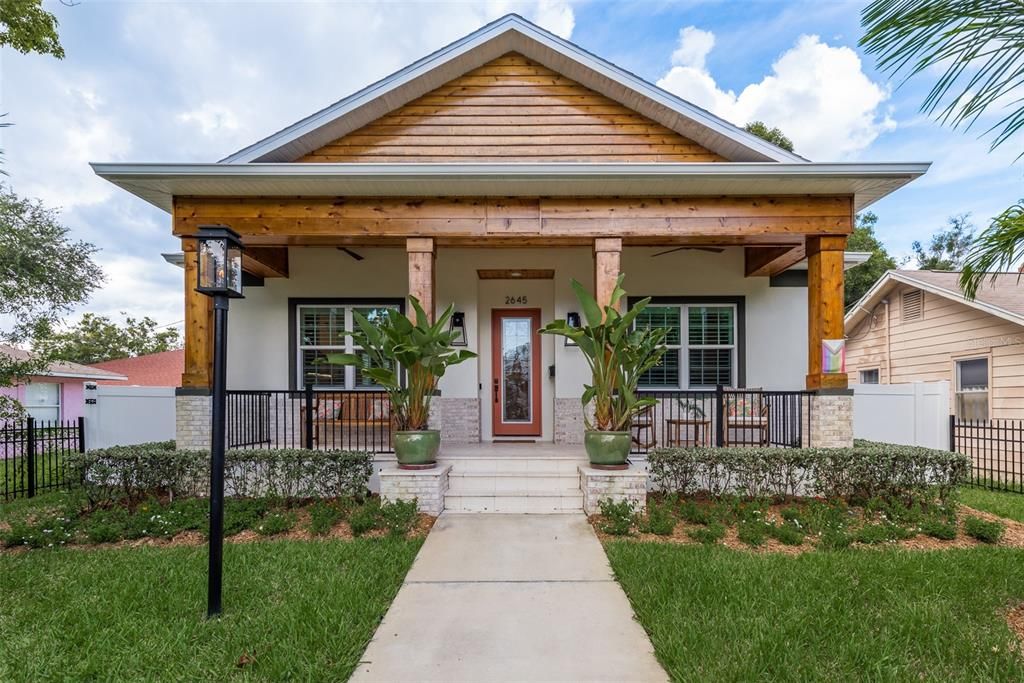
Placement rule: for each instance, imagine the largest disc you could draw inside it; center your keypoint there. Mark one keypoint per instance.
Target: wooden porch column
(421, 274)
(824, 305)
(198, 325)
(607, 254)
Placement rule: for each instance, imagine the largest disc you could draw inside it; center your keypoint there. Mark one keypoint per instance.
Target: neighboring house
(57, 393)
(162, 369)
(916, 326)
(487, 175)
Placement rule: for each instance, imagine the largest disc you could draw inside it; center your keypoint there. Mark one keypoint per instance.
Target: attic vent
(912, 305)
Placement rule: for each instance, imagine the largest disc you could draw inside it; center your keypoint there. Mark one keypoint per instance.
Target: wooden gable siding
(512, 109)
(926, 349)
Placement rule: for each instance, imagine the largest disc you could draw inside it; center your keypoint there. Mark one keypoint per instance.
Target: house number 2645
(515, 300)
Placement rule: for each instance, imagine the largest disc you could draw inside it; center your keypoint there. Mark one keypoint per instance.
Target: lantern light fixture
(572, 319)
(457, 324)
(219, 250)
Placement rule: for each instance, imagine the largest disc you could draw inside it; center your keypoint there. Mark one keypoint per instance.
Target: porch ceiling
(158, 184)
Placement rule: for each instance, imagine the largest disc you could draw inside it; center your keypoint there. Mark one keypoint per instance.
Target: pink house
(58, 393)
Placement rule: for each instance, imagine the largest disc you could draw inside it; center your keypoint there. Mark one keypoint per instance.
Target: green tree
(979, 47)
(772, 135)
(96, 338)
(27, 27)
(863, 277)
(947, 248)
(43, 275)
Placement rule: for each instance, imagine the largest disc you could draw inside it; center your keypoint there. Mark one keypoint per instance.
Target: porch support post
(824, 306)
(607, 255)
(421, 274)
(198, 325)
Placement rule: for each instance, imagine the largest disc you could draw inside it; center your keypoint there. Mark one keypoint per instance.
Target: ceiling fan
(356, 256)
(713, 250)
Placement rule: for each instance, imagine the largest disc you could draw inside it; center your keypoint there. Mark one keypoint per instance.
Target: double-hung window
(972, 389)
(42, 400)
(323, 329)
(701, 342)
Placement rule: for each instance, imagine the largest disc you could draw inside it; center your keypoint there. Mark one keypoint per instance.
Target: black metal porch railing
(723, 417)
(313, 419)
(996, 450)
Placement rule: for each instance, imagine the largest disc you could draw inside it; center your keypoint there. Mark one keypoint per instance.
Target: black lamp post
(219, 252)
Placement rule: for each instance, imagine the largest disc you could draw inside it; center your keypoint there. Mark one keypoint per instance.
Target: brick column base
(831, 421)
(192, 422)
(457, 418)
(616, 485)
(426, 487)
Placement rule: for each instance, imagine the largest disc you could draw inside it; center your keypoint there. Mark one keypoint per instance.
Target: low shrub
(398, 517)
(241, 514)
(365, 518)
(708, 535)
(937, 528)
(694, 513)
(136, 472)
(324, 515)
(885, 532)
(659, 519)
(752, 533)
(45, 532)
(617, 519)
(865, 471)
(984, 530)
(277, 522)
(834, 539)
(785, 533)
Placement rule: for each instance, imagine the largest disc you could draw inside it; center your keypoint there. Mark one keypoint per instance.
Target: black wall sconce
(572, 319)
(457, 324)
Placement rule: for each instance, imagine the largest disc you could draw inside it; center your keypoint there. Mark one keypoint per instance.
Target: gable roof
(162, 369)
(62, 368)
(1003, 298)
(511, 33)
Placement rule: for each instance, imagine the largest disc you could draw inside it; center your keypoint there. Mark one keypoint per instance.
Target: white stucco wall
(776, 317)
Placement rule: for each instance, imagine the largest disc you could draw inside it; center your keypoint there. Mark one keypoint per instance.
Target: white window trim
(684, 346)
(348, 347)
(860, 375)
(59, 405)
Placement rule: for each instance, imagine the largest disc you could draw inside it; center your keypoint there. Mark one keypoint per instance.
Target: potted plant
(618, 355)
(394, 343)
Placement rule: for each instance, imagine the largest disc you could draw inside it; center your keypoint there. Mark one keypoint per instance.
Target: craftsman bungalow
(487, 175)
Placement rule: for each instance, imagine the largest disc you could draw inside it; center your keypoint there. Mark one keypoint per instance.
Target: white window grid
(348, 347)
(685, 346)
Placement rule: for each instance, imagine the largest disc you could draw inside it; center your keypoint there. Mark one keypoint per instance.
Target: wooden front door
(515, 384)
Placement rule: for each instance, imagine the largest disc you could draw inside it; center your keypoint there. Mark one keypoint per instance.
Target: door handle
(496, 392)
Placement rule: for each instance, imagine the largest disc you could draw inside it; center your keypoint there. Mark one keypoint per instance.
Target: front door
(515, 390)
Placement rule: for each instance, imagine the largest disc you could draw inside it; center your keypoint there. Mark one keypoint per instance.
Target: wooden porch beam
(768, 261)
(265, 261)
(198, 325)
(422, 277)
(824, 307)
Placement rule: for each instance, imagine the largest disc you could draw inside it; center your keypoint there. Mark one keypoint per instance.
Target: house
(163, 369)
(487, 175)
(916, 326)
(58, 392)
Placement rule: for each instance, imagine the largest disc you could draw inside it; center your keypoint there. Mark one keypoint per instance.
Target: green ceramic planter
(607, 449)
(417, 450)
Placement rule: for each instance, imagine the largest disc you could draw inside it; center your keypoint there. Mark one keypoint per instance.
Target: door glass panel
(516, 358)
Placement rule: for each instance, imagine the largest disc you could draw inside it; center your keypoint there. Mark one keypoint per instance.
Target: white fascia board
(519, 31)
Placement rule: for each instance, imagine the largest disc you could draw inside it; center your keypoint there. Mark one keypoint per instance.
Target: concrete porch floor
(510, 598)
(538, 449)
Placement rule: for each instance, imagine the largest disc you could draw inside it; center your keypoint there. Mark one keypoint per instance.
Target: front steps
(516, 482)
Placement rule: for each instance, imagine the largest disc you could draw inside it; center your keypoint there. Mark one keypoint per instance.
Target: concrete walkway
(510, 598)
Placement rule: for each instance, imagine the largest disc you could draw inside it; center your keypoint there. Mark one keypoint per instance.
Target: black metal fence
(723, 417)
(314, 419)
(33, 454)
(996, 450)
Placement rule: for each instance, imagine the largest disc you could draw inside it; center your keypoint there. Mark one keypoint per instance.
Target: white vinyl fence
(914, 414)
(121, 416)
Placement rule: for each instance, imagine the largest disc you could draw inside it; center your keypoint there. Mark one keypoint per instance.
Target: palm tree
(980, 46)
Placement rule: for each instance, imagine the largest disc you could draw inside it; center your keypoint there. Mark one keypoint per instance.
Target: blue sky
(177, 81)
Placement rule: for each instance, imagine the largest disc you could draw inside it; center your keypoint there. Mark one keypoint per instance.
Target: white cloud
(211, 118)
(817, 94)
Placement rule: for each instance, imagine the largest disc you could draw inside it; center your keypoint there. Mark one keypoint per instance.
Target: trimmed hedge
(868, 470)
(135, 472)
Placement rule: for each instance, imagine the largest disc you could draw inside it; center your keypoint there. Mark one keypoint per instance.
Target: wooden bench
(366, 412)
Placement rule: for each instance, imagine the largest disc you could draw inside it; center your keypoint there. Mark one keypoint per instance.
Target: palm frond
(997, 249)
(979, 43)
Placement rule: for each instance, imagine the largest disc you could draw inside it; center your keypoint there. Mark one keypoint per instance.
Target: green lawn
(292, 610)
(1009, 505)
(719, 614)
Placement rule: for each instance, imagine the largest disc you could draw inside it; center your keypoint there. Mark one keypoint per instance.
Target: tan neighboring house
(916, 326)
